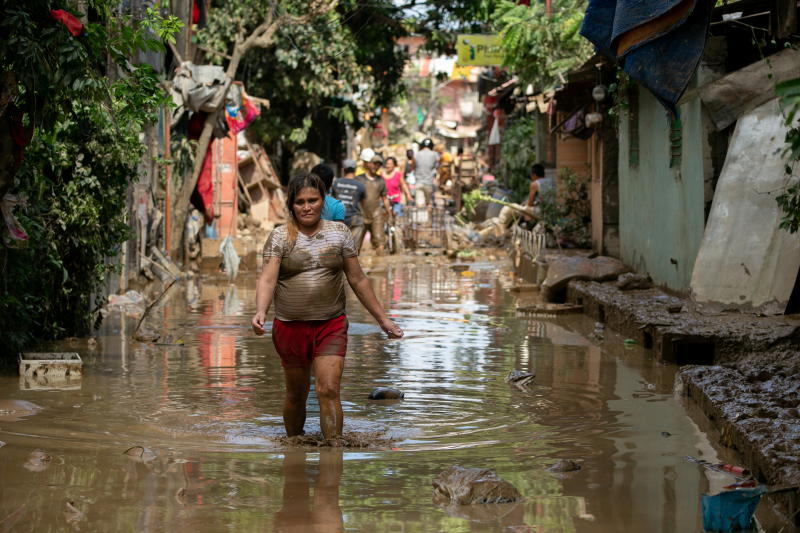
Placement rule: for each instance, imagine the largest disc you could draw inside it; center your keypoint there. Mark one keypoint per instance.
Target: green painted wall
(661, 217)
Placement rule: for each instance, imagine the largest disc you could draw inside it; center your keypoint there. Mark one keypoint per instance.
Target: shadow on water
(199, 416)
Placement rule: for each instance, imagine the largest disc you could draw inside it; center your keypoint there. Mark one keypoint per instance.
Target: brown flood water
(206, 415)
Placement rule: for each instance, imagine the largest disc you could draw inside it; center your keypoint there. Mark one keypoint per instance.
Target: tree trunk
(181, 205)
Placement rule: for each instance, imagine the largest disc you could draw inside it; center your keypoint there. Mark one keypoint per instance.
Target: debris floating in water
(386, 393)
(519, 378)
(468, 486)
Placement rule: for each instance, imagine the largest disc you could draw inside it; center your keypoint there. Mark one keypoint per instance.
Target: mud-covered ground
(742, 370)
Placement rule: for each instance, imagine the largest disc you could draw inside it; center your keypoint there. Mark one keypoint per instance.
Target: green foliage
(519, 155)
(314, 68)
(537, 47)
(84, 153)
(789, 199)
(440, 20)
(619, 91)
(567, 211)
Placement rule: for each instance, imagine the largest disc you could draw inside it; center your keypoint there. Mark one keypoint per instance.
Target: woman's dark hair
(392, 159)
(297, 184)
(410, 154)
(325, 173)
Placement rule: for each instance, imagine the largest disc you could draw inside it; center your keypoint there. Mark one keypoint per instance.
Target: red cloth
(205, 185)
(244, 116)
(298, 342)
(69, 20)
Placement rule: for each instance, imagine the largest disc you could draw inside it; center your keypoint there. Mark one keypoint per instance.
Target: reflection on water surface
(206, 415)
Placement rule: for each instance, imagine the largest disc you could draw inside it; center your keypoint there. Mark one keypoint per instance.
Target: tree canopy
(313, 67)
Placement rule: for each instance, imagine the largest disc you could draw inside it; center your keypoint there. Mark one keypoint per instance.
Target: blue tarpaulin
(658, 43)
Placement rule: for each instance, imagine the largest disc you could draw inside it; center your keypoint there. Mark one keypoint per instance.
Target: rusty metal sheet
(745, 261)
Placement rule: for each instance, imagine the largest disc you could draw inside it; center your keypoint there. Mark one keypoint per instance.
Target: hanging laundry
(657, 43)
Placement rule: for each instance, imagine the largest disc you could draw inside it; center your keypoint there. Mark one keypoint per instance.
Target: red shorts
(298, 342)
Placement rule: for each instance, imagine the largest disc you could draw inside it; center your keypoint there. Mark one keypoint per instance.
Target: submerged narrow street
(187, 435)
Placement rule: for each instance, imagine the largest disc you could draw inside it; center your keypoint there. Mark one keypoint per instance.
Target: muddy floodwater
(186, 435)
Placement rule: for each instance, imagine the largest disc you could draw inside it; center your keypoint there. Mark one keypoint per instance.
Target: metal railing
(530, 242)
(425, 227)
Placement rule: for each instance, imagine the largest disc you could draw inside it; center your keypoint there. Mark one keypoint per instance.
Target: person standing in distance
(333, 209)
(376, 205)
(396, 188)
(351, 193)
(426, 162)
(305, 264)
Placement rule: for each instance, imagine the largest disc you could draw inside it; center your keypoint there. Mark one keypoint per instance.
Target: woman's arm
(361, 286)
(264, 292)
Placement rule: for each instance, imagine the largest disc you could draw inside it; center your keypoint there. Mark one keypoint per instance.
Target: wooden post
(168, 179)
(784, 18)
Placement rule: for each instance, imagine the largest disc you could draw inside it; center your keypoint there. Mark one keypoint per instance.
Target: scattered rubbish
(631, 281)
(519, 378)
(91, 343)
(459, 267)
(467, 273)
(564, 465)
(166, 263)
(598, 332)
(741, 484)
(466, 255)
(2, 444)
(15, 410)
(131, 303)
(666, 434)
(146, 335)
(230, 259)
(38, 461)
(386, 393)
(550, 309)
(72, 513)
(735, 471)
(467, 486)
(140, 454)
(677, 308)
(50, 370)
(169, 340)
(732, 510)
(629, 342)
(524, 287)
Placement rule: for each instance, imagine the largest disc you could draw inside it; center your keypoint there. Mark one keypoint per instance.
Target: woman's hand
(258, 324)
(391, 329)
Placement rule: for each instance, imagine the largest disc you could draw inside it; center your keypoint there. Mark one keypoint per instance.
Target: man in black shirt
(351, 193)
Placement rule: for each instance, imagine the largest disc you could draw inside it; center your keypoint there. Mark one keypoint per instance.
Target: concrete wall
(661, 209)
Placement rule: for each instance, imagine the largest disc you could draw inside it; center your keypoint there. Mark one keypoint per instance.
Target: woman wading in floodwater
(305, 262)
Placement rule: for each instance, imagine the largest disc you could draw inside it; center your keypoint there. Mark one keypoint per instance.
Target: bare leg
(294, 404)
(327, 380)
